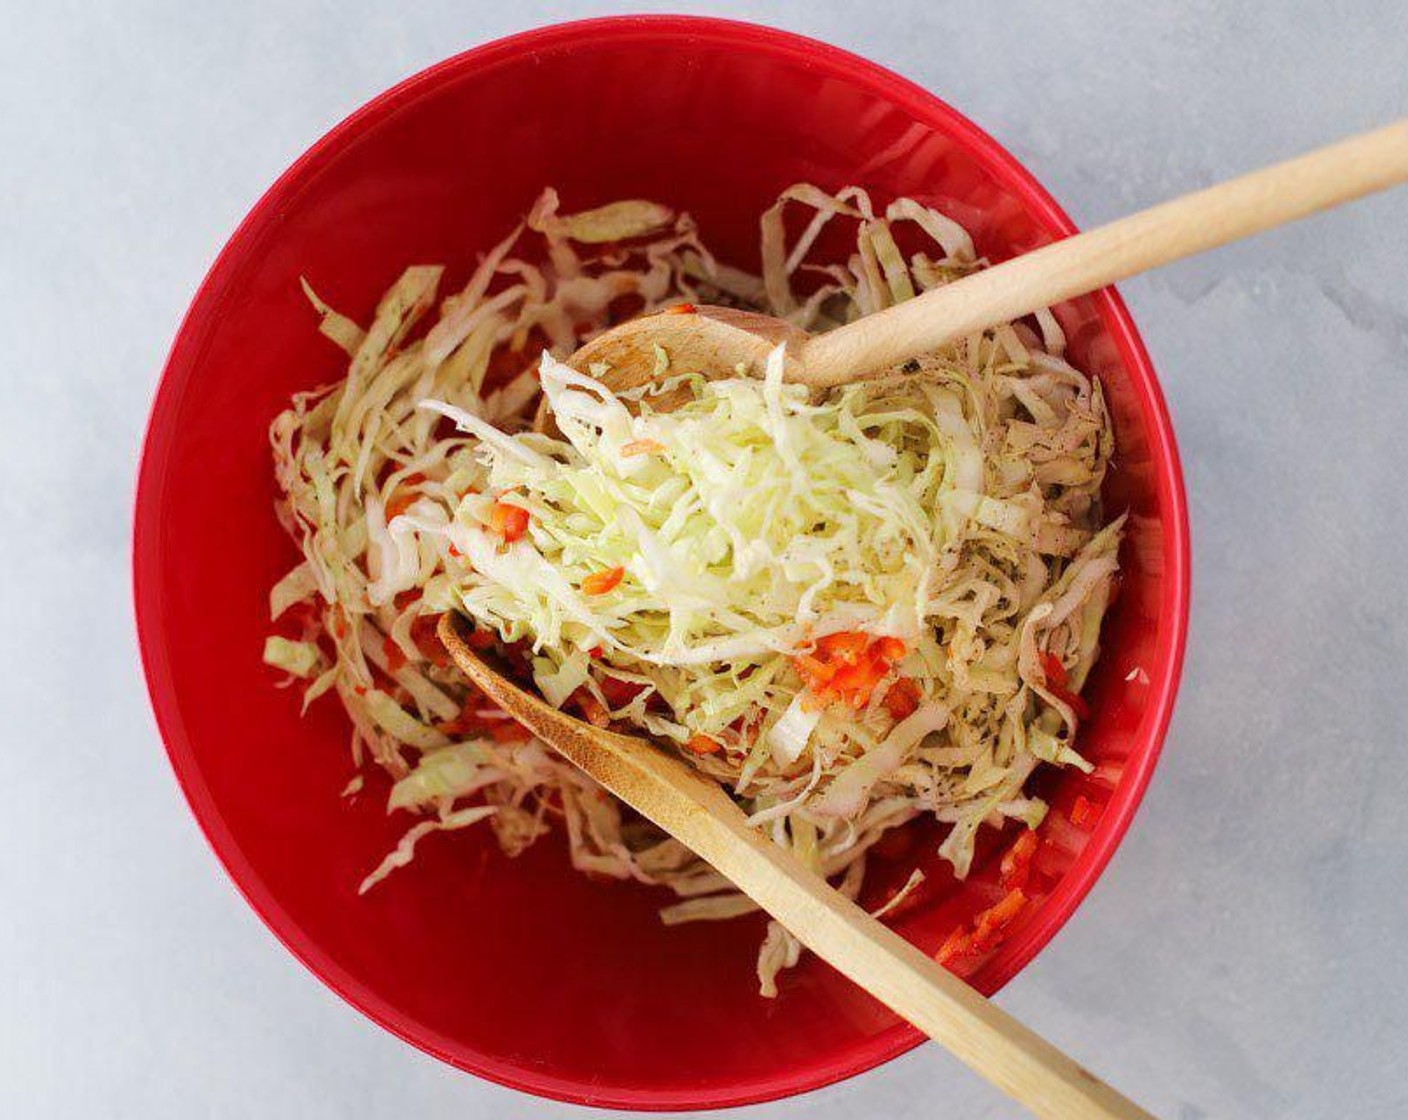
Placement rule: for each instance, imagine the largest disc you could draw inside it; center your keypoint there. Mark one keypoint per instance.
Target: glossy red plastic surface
(521, 970)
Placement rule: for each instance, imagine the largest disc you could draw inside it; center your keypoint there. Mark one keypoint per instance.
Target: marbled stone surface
(1245, 953)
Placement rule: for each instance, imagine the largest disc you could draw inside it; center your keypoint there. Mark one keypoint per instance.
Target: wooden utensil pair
(714, 341)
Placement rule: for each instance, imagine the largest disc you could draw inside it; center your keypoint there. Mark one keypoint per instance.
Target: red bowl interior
(522, 970)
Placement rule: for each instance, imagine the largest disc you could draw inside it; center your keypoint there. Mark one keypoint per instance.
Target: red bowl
(521, 970)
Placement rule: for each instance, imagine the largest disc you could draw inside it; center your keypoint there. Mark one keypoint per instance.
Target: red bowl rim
(1119, 811)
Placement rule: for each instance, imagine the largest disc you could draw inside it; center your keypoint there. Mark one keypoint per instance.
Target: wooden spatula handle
(1239, 208)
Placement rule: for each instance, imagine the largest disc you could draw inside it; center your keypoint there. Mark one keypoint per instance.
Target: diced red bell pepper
(845, 667)
(1055, 674)
(813, 670)
(1016, 867)
(891, 649)
(703, 744)
(993, 921)
(853, 683)
(845, 648)
(959, 943)
(986, 931)
(599, 583)
(1053, 670)
(404, 496)
(902, 699)
(1084, 812)
(509, 521)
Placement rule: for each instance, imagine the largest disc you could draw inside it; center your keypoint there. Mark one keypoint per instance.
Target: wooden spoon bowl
(699, 337)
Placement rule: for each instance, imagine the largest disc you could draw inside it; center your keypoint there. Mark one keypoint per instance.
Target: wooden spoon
(715, 341)
(698, 813)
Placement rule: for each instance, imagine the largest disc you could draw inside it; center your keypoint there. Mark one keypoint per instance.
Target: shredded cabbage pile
(851, 611)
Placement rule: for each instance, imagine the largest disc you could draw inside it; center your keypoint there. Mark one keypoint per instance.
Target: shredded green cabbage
(298, 659)
(947, 515)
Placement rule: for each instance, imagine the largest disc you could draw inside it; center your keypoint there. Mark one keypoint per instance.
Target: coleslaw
(852, 612)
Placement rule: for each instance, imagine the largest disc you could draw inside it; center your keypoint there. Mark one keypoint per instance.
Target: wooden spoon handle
(699, 814)
(906, 980)
(1168, 232)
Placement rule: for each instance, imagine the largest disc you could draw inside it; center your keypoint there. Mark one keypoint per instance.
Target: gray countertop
(1244, 955)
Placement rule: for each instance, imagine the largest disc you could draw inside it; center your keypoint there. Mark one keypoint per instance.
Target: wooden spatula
(699, 814)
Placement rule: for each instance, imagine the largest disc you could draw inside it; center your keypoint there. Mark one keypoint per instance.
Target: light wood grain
(698, 340)
(1191, 224)
(716, 341)
(702, 816)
